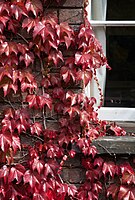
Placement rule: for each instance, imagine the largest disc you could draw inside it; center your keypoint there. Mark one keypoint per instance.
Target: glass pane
(120, 85)
(121, 9)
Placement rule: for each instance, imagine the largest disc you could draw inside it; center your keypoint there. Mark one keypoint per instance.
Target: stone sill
(115, 145)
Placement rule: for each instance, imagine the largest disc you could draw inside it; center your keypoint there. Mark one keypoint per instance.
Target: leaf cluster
(35, 64)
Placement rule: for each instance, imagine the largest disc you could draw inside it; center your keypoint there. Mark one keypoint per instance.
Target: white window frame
(112, 113)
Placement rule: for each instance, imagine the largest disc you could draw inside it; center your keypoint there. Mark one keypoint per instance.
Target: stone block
(71, 16)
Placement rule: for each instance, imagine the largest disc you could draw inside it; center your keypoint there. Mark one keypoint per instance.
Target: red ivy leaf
(17, 173)
(65, 33)
(126, 192)
(50, 133)
(36, 128)
(118, 131)
(8, 125)
(4, 173)
(110, 167)
(98, 162)
(16, 142)
(39, 101)
(37, 196)
(72, 97)
(3, 21)
(48, 170)
(8, 48)
(128, 178)
(4, 7)
(28, 58)
(44, 100)
(29, 23)
(55, 56)
(32, 100)
(46, 82)
(85, 75)
(45, 28)
(18, 9)
(82, 58)
(5, 140)
(67, 189)
(113, 190)
(37, 164)
(67, 74)
(31, 178)
(72, 111)
(35, 6)
(58, 93)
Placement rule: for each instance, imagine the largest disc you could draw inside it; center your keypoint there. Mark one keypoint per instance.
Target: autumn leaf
(113, 190)
(4, 7)
(45, 29)
(28, 58)
(84, 75)
(8, 48)
(34, 6)
(36, 128)
(18, 9)
(128, 174)
(67, 74)
(110, 167)
(29, 23)
(4, 173)
(17, 173)
(32, 100)
(67, 189)
(72, 97)
(48, 170)
(65, 33)
(38, 165)
(72, 111)
(43, 100)
(3, 22)
(98, 162)
(16, 143)
(126, 192)
(37, 196)
(55, 56)
(5, 140)
(31, 178)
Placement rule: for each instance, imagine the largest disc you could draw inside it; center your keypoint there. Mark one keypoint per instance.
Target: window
(114, 25)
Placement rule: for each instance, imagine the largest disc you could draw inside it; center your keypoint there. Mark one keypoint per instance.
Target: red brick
(73, 162)
(51, 11)
(71, 16)
(73, 175)
(73, 3)
(52, 124)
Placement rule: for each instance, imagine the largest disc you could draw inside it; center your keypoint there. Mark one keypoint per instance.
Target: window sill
(117, 114)
(115, 145)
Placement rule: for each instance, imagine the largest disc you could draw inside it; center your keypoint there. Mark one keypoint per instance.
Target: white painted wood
(99, 23)
(117, 114)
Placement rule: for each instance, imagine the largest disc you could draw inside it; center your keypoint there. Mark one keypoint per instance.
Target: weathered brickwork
(71, 16)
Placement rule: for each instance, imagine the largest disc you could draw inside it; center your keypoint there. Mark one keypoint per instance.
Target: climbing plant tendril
(35, 69)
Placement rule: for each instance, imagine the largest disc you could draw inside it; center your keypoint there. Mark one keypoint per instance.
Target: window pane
(121, 9)
(120, 85)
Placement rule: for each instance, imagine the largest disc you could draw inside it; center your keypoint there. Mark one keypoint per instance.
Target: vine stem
(100, 145)
(43, 92)
(35, 136)
(9, 102)
(23, 38)
(99, 89)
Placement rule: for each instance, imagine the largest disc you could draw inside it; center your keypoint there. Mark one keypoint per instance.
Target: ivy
(34, 66)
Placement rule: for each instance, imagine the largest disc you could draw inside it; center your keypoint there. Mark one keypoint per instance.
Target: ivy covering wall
(48, 54)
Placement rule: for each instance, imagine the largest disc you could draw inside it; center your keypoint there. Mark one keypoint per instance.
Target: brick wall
(70, 11)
